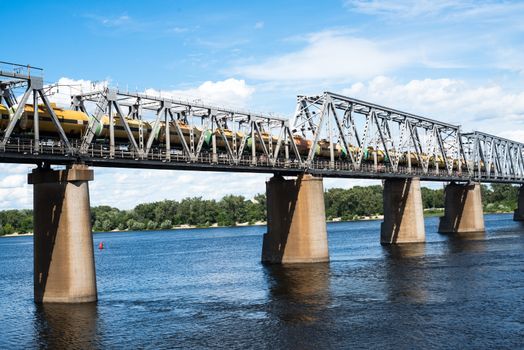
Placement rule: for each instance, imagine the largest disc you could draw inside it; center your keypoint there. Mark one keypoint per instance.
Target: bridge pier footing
(64, 266)
(403, 212)
(462, 209)
(296, 221)
(518, 214)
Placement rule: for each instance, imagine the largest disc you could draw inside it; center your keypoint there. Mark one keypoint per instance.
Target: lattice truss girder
(361, 128)
(233, 129)
(14, 77)
(493, 156)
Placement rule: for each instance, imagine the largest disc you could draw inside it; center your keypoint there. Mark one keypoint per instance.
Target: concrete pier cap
(518, 214)
(463, 211)
(64, 268)
(296, 221)
(403, 212)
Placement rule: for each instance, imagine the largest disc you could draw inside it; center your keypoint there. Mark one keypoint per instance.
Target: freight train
(75, 124)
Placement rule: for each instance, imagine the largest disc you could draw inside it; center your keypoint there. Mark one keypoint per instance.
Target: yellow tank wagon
(102, 131)
(74, 123)
(174, 137)
(4, 116)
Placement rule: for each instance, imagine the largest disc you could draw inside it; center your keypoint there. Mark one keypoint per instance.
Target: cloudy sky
(457, 61)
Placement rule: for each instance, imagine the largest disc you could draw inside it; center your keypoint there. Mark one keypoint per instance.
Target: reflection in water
(299, 293)
(405, 274)
(466, 242)
(402, 251)
(67, 326)
(462, 251)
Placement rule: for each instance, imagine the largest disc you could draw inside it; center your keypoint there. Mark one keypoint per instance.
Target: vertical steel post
(138, 115)
(409, 160)
(36, 123)
(331, 147)
(213, 136)
(253, 144)
(286, 149)
(111, 130)
(191, 134)
(168, 135)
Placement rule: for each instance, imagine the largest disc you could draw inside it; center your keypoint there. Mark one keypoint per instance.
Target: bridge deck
(21, 150)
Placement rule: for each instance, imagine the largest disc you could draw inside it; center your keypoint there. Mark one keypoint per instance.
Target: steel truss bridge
(329, 119)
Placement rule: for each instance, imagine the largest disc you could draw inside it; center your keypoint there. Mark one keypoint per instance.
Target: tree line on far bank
(347, 204)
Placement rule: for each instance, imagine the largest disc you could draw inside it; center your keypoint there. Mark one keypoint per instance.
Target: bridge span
(330, 135)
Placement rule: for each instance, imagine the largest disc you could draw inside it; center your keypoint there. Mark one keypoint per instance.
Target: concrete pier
(403, 212)
(296, 221)
(64, 267)
(518, 214)
(463, 209)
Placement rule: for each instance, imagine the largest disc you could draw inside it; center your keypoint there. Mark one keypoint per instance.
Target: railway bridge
(330, 135)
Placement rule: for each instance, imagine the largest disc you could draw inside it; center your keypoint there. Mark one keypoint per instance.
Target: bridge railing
(100, 153)
(15, 70)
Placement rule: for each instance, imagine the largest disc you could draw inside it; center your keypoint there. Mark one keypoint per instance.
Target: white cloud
(178, 30)
(125, 188)
(331, 55)
(12, 181)
(17, 197)
(15, 168)
(407, 8)
(439, 10)
(118, 22)
(230, 92)
(14, 190)
(115, 21)
(134, 186)
(517, 135)
(511, 58)
(488, 108)
(453, 33)
(259, 25)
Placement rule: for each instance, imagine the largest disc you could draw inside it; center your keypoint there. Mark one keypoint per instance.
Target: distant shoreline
(429, 213)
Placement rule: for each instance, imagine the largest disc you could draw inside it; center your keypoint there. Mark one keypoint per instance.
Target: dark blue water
(207, 289)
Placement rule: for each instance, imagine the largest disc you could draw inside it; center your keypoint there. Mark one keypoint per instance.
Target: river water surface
(207, 289)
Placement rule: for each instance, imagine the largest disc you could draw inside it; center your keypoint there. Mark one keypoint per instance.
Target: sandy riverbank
(16, 234)
(258, 223)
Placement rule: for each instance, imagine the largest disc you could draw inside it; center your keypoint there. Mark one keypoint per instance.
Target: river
(206, 288)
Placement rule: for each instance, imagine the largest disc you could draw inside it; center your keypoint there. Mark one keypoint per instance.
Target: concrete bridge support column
(64, 266)
(403, 212)
(296, 221)
(518, 215)
(463, 209)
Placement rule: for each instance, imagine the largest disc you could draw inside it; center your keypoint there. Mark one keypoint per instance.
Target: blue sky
(458, 61)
